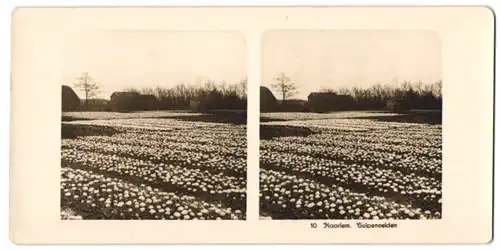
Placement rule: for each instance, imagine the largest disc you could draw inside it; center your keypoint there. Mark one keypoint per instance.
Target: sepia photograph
(266, 125)
(154, 126)
(350, 125)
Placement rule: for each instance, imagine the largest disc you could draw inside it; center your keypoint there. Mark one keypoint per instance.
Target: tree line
(408, 95)
(211, 95)
(204, 95)
(207, 95)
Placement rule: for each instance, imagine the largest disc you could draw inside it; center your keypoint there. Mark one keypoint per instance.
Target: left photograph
(153, 126)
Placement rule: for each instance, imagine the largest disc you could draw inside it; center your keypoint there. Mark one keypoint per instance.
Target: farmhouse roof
(70, 100)
(124, 94)
(266, 93)
(325, 94)
(67, 90)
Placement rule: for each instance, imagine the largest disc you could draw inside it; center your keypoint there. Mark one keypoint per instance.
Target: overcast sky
(333, 59)
(122, 59)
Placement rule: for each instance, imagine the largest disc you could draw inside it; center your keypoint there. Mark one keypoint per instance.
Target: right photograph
(351, 125)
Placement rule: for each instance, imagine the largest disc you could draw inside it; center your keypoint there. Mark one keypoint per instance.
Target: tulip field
(153, 168)
(348, 166)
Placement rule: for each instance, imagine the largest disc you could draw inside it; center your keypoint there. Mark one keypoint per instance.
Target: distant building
(292, 105)
(267, 100)
(70, 100)
(328, 101)
(147, 102)
(123, 101)
(132, 101)
(96, 104)
(294, 102)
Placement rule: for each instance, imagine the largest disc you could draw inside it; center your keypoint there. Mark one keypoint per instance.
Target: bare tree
(437, 86)
(210, 85)
(86, 84)
(243, 88)
(147, 91)
(161, 93)
(223, 87)
(131, 89)
(285, 86)
(327, 90)
(344, 91)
